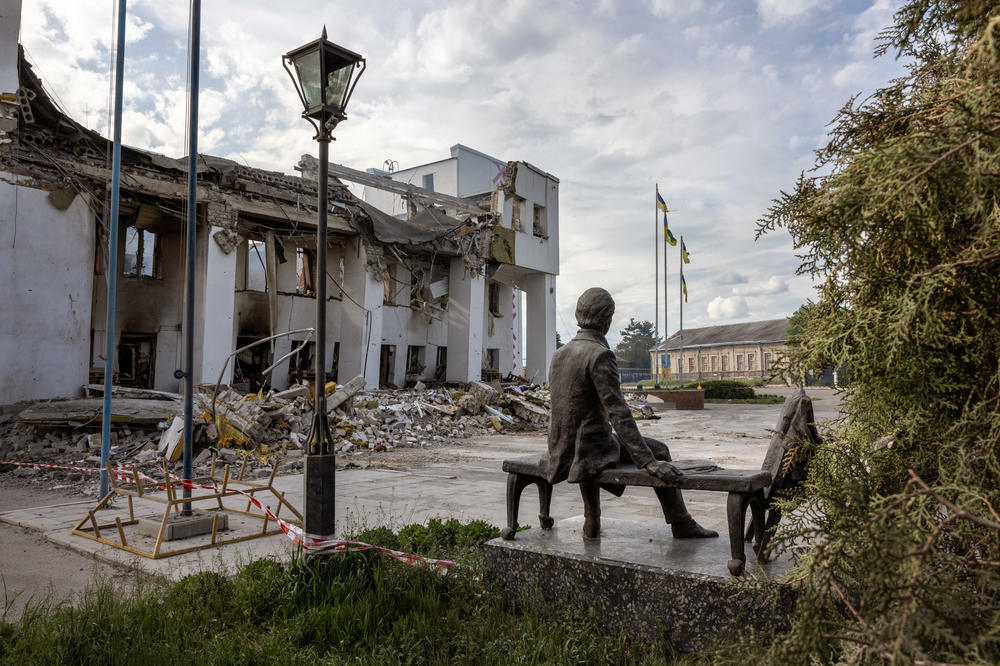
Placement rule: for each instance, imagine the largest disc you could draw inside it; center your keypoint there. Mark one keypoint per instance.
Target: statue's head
(594, 309)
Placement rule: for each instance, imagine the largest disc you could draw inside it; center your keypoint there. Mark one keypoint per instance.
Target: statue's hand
(664, 471)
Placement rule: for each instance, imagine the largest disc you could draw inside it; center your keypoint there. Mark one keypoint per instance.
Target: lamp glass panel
(338, 78)
(307, 69)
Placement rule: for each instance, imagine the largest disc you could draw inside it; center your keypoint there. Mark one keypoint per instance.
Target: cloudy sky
(721, 103)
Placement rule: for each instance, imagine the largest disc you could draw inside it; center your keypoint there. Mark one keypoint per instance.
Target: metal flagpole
(194, 48)
(116, 167)
(666, 329)
(656, 280)
(680, 286)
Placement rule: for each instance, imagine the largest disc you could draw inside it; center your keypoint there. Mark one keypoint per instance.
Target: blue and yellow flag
(667, 236)
(684, 288)
(660, 203)
(684, 253)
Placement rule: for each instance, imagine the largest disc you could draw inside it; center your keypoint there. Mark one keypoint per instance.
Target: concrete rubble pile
(377, 420)
(266, 428)
(639, 407)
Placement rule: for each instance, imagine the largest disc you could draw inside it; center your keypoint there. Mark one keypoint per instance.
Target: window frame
(137, 272)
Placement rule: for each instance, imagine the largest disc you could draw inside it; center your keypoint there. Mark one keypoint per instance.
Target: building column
(466, 296)
(541, 321)
(215, 294)
(285, 281)
(361, 318)
(516, 317)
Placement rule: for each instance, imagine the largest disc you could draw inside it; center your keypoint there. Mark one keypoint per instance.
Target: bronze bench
(745, 488)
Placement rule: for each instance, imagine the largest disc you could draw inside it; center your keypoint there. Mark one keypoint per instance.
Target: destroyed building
(433, 291)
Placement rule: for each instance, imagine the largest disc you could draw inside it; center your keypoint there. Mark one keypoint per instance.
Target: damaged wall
(477, 172)
(422, 325)
(145, 305)
(296, 311)
(536, 249)
(499, 328)
(47, 263)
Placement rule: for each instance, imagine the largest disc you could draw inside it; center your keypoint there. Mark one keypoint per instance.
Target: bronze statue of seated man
(587, 402)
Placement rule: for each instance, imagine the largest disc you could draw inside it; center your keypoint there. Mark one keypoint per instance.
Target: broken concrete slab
(344, 392)
(172, 440)
(97, 390)
(88, 411)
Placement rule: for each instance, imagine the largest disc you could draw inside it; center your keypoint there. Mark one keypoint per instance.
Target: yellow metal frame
(89, 528)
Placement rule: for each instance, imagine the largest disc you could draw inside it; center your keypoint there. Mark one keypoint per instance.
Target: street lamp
(324, 75)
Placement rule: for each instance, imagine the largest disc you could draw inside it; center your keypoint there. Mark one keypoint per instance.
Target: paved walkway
(466, 483)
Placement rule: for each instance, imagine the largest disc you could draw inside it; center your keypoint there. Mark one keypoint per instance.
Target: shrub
(896, 529)
(724, 389)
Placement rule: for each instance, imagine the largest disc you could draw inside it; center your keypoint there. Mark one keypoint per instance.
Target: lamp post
(324, 75)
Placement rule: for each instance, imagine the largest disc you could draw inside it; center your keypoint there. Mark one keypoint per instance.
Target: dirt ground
(32, 567)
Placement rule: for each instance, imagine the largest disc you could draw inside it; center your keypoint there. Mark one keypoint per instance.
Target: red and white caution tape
(126, 474)
(310, 542)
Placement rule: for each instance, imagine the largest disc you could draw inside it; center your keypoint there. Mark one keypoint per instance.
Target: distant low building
(730, 351)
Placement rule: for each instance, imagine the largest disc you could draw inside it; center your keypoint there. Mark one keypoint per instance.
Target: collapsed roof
(57, 153)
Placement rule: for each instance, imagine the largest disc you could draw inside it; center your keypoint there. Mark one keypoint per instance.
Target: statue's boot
(689, 529)
(682, 525)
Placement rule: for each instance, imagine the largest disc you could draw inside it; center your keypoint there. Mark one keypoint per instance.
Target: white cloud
(850, 74)
(774, 285)
(731, 277)
(674, 8)
(728, 307)
(776, 12)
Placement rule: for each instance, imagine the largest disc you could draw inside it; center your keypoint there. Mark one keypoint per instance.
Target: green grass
(334, 609)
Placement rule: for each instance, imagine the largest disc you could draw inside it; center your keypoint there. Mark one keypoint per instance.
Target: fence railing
(629, 375)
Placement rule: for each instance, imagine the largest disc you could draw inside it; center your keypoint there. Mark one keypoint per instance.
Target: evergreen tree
(637, 338)
(898, 525)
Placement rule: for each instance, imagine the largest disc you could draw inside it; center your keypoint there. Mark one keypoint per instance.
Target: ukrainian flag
(660, 203)
(684, 252)
(667, 236)
(684, 288)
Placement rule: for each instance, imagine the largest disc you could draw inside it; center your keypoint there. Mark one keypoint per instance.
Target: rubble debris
(639, 408)
(262, 428)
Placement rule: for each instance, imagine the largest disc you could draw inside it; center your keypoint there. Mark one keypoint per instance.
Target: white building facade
(432, 298)
(518, 281)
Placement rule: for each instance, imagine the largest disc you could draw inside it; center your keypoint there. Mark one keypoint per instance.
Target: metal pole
(320, 468)
(656, 279)
(116, 167)
(666, 329)
(194, 49)
(680, 262)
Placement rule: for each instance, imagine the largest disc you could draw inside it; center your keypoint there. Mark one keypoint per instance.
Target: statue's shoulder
(583, 350)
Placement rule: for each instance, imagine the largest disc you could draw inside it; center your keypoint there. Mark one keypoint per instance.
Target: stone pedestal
(635, 577)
